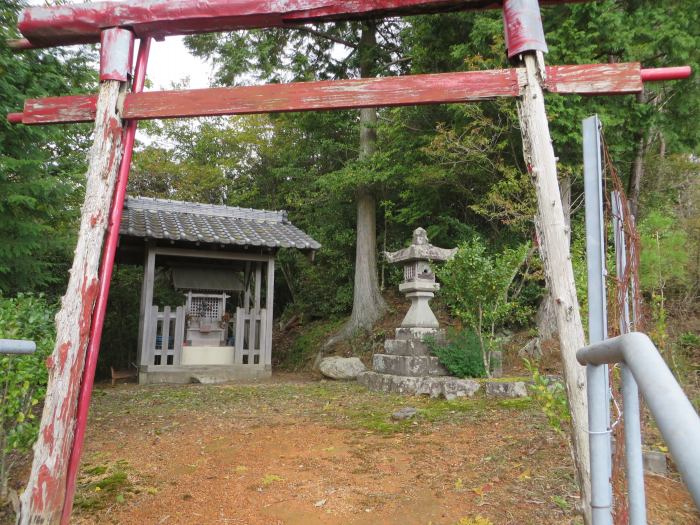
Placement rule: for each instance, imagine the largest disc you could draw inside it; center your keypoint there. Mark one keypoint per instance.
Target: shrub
(479, 287)
(551, 397)
(461, 355)
(22, 378)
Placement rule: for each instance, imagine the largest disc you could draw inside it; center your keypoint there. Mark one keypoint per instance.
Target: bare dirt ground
(294, 451)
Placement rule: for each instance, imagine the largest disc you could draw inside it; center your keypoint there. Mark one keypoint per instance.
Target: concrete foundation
(178, 375)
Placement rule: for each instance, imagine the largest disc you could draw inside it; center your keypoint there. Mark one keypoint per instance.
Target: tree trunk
(556, 257)
(42, 500)
(635, 185)
(368, 305)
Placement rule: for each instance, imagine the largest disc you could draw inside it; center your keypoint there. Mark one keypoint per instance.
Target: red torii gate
(49, 494)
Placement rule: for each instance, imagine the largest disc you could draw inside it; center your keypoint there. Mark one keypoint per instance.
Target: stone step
(413, 366)
(441, 386)
(406, 347)
(447, 387)
(418, 334)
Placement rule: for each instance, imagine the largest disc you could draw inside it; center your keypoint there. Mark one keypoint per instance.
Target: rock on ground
(404, 413)
(341, 367)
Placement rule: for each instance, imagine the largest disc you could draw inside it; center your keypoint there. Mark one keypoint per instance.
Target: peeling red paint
(83, 23)
(523, 27)
(590, 79)
(48, 437)
(46, 484)
(105, 277)
(95, 219)
(595, 79)
(63, 354)
(88, 294)
(68, 404)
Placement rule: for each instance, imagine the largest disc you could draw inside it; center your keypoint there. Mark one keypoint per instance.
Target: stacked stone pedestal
(408, 355)
(407, 367)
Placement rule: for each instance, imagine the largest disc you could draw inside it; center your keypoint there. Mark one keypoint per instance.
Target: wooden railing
(166, 332)
(251, 337)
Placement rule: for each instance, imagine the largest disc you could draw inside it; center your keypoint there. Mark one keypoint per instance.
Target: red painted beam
(595, 79)
(277, 98)
(83, 23)
(342, 94)
(666, 73)
(15, 118)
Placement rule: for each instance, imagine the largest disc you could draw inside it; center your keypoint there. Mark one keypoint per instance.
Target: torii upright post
(526, 42)
(42, 500)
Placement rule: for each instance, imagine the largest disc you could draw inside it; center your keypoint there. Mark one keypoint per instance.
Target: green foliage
(550, 395)
(305, 346)
(22, 378)
(40, 167)
(663, 257)
(461, 355)
(478, 288)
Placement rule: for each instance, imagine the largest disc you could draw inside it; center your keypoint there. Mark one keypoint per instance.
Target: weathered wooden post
(526, 42)
(43, 499)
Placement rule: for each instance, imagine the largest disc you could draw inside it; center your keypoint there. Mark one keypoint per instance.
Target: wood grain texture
(83, 23)
(553, 243)
(439, 88)
(42, 500)
(595, 79)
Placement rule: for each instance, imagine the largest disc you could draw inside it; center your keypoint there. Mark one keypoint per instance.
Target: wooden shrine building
(222, 260)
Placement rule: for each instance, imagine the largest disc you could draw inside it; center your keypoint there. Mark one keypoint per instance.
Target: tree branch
(322, 34)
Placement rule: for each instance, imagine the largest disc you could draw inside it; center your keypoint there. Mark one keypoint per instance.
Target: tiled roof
(207, 223)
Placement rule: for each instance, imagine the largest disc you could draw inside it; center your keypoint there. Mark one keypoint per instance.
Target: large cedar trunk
(368, 305)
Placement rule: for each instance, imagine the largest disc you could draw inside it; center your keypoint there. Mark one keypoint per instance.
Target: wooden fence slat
(153, 332)
(240, 324)
(179, 335)
(262, 347)
(165, 336)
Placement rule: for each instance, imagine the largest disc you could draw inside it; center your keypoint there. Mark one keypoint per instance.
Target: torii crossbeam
(48, 497)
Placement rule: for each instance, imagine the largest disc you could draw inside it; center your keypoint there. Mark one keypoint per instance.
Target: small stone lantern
(419, 280)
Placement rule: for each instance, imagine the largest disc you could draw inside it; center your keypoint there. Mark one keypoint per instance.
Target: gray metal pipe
(674, 414)
(634, 460)
(597, 375)
(13, 346)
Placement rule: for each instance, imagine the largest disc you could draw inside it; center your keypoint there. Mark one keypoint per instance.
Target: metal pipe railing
(674, 414)
(14, 346)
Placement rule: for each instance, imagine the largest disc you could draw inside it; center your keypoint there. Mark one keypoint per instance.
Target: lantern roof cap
(420, 250)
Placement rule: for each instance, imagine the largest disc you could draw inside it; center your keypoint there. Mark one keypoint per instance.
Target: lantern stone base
(443, 386)
(405, 356)
(403, 365)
